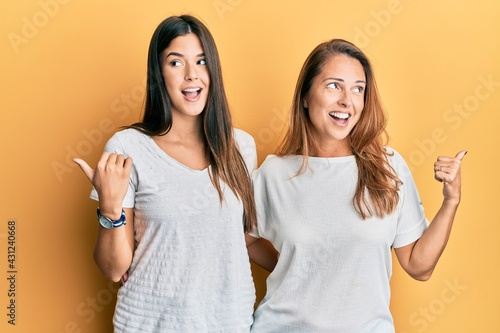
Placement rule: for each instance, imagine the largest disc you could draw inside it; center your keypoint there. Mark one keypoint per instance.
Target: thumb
(460, 155)
(89, 172)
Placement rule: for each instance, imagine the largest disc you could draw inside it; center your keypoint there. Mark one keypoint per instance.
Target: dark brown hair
(226, 162)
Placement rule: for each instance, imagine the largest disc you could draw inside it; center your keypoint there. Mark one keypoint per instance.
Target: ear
(304, 103)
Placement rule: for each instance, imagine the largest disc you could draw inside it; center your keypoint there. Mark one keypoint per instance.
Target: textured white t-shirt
(190, 270)
(334, 268)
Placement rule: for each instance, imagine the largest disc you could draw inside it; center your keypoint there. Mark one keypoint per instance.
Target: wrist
(110, 223)
(451, 203)
(112, 213)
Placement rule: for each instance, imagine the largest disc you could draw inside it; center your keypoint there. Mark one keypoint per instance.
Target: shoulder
(279, 166)
(272, 162)
(393, 155)
(243, 138)
(247, 148)
(129, 134)
(123, 139)
(397, 162)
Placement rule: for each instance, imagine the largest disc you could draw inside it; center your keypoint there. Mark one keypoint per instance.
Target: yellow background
(73, 71)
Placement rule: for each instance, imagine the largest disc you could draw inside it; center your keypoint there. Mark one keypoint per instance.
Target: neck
(331, 153)
(185, 129)
(332, 149)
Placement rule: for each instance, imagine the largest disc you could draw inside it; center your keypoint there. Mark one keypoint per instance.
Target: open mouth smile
(192, 94)
(340, 117)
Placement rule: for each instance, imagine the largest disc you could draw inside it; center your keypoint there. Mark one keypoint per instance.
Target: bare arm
(114, 247)
(261, 252)
(421, 257)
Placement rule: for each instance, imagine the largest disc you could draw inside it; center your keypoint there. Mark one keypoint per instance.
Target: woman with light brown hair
(334, 201)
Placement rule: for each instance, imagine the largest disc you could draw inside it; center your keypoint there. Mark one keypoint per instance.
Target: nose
(191, 73)
(345, 99)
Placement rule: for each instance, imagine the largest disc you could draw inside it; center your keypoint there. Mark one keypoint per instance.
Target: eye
(332, 85)
(359, 89)
(175, 63)
(202, 62)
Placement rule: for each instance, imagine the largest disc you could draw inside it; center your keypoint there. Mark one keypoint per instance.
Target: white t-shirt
(334, 268)
(190, 270)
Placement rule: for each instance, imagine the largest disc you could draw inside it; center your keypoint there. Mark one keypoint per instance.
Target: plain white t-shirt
(190, 270)
(334, 268)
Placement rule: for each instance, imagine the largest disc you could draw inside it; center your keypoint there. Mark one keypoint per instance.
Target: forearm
(420, 258)
(112, 255)
(113, 249)
(428, 249)
(262, 253)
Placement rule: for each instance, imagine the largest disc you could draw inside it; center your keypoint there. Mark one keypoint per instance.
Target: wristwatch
(108, 223)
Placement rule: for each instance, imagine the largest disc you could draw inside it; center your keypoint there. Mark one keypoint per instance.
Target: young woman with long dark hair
(175, 197)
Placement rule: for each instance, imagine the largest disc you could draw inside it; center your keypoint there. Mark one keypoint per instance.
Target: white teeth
(340, 115)
(191, 90)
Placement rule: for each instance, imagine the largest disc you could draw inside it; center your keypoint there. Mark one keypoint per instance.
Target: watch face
(105, 222)
(109, 223)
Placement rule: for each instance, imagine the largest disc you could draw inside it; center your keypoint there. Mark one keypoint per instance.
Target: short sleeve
(267, 182)
(247, 147)
(264, 181)
(114, 145)
(411, 218)
(257, 186)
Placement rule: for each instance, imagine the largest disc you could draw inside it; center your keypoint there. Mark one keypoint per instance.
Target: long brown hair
(227, 164)
(377, 187)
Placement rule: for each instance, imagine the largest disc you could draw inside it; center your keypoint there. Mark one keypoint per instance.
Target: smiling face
(335, 103)
(186, 75)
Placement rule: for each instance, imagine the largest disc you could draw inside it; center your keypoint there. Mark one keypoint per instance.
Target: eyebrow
(342, 80)
(177, 54)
